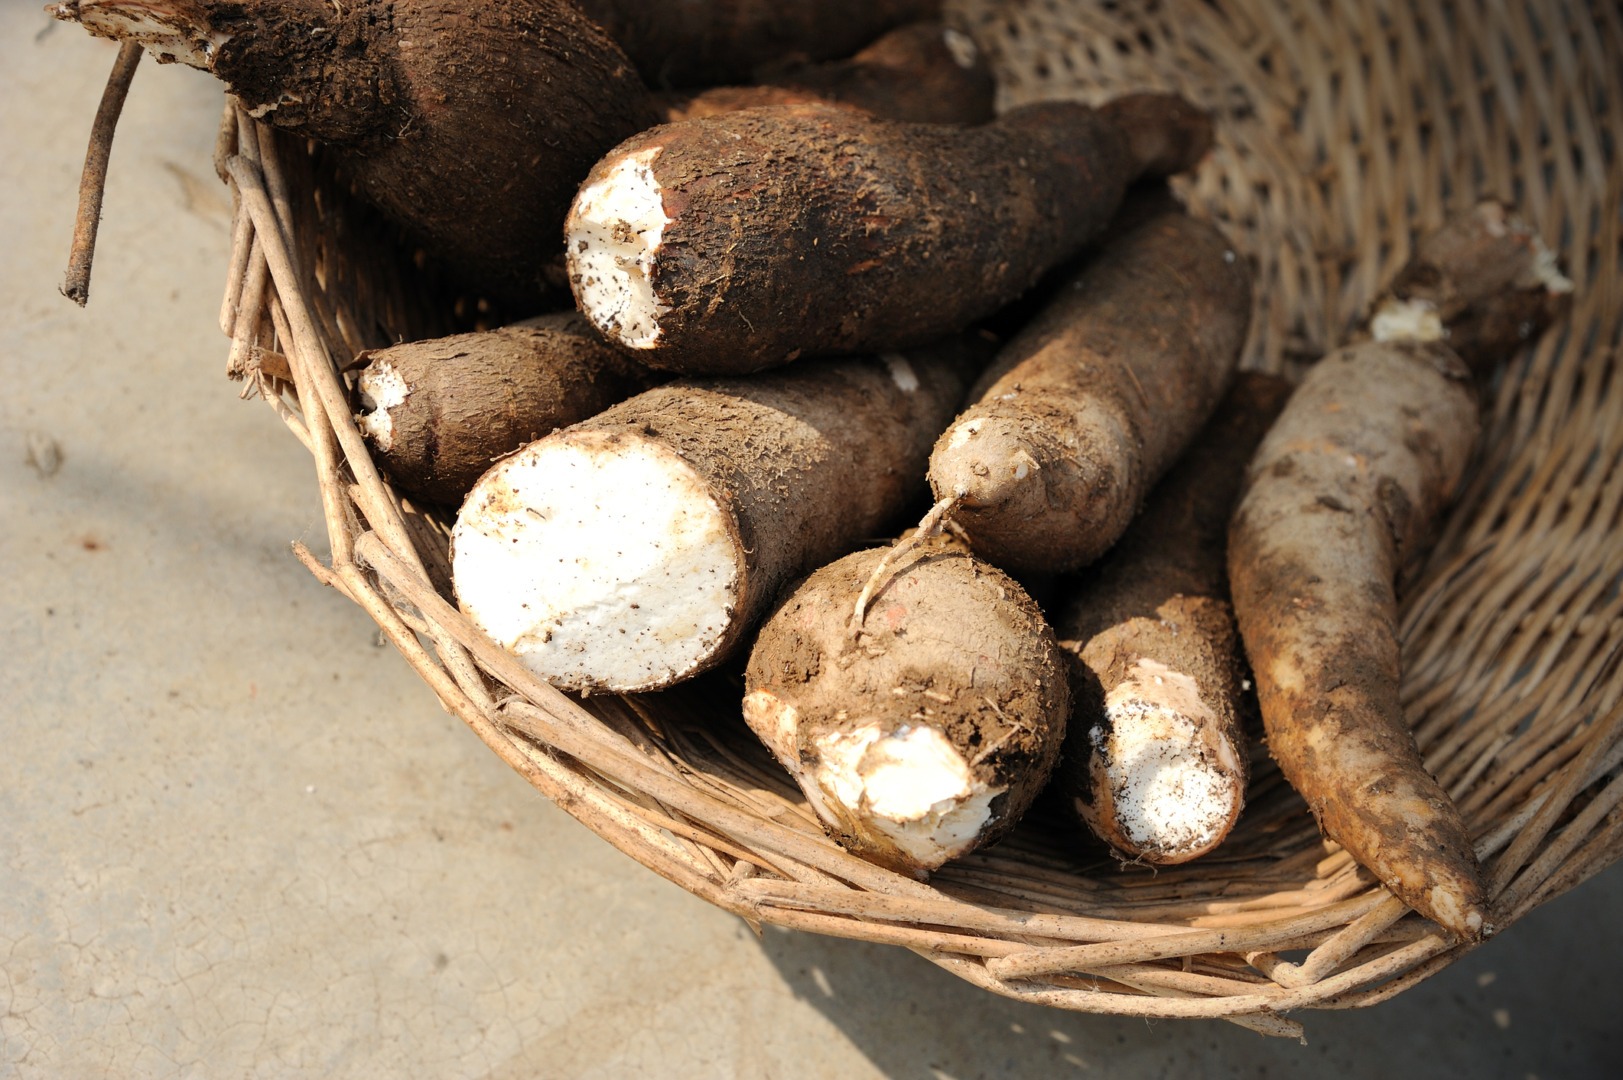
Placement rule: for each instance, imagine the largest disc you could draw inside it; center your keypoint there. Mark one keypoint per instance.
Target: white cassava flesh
(912, 786)
(1172, 772)
(602, 561)
(381, 388)
(613, 234)
(1406, 320)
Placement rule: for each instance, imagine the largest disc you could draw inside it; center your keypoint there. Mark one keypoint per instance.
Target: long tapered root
(1337, 495)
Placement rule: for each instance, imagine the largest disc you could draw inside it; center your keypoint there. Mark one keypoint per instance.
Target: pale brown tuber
(1085, 408)
(926, 732)
(1155, 756)
(1343, 494)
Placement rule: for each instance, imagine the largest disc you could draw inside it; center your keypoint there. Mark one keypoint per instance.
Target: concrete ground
(238, 838)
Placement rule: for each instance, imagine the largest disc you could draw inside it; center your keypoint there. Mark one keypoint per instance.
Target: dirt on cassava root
(437, 413)
(470, 124)
(743, 241)
(929, 733)
(1088, 405)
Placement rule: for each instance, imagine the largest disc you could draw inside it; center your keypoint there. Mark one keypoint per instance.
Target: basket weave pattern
(1344, 132)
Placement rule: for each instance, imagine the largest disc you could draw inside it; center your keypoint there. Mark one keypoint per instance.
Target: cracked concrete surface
(239, 839)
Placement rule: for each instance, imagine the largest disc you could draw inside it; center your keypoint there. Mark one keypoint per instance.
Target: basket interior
(1344, 132)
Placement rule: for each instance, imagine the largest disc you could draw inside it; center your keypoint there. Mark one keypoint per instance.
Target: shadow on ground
(1510, 1009)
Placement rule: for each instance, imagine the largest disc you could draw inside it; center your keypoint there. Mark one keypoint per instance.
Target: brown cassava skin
(1161, 595)
(706, 42)
(910, 74)
(470, 124)
(1480, 274)
(1345, 488)
(1342, 494)
(677, 106)
(812, 229)
(949, 643)
(474, 397)
(1085, 409)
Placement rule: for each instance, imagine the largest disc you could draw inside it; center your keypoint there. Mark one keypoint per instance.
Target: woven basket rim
(1526, 724)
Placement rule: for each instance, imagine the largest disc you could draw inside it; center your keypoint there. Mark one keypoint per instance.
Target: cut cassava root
(470, 124)
(1339, 498)
(1085, 408)
(640, 547)
(1155, 759)
(742, 241)
(931, 731)
(437, 413)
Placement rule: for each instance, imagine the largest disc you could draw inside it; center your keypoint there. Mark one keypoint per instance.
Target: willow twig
(93, 181)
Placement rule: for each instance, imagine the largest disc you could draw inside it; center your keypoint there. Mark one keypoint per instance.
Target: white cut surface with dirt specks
(1172, 772)
(912, 787)
(381, 388)
(603, 562)
(613, 235)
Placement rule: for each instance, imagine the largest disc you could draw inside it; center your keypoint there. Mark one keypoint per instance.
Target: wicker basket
(1344, 131)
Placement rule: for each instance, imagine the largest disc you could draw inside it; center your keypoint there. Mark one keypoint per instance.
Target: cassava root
(470, 124)
(1340, 497)
(742, 241)
(928, 732)
(924, 73)
(1085, 408)
(640, 547)
(437, 413)
(1155, 757)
